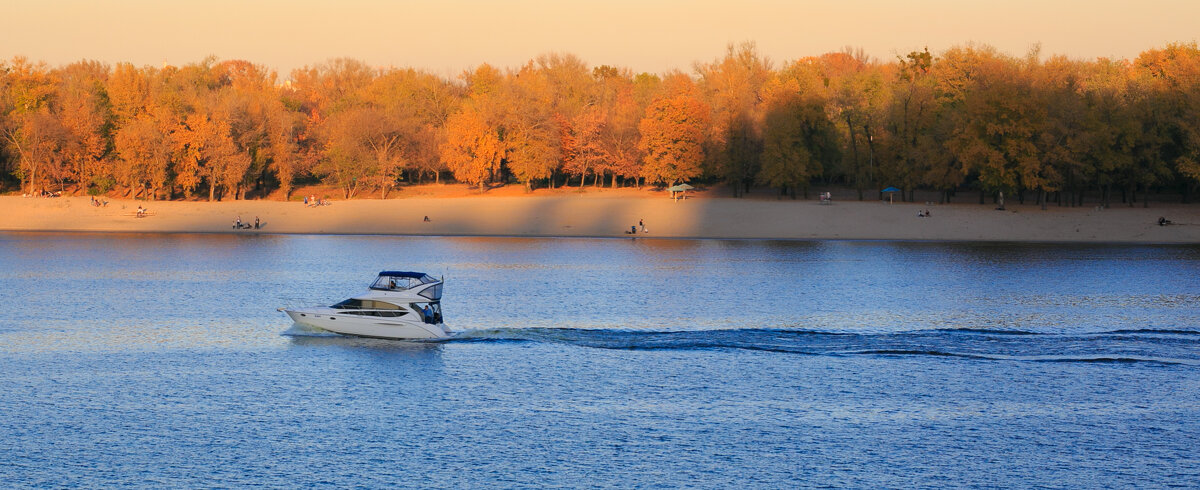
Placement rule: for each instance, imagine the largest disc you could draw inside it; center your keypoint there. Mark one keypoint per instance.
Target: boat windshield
(400, 283)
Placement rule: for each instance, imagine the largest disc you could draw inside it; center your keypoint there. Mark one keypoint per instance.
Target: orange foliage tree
(673, 133)
(472, 149)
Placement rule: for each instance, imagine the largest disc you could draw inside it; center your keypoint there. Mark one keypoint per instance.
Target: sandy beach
(611, 214)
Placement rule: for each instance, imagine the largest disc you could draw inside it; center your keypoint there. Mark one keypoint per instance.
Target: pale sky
(447, 36)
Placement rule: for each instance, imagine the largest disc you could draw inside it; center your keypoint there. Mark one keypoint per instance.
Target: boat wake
(1161, 347)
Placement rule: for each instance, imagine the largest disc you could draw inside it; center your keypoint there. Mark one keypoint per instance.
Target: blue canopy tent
(890, 191)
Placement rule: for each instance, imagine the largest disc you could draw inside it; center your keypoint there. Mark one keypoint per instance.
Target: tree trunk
(854, 154)
(870, 154)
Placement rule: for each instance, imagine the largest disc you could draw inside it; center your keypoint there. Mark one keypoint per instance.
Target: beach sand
(610, 213)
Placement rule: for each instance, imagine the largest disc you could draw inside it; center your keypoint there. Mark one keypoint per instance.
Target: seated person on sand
(1163, 221)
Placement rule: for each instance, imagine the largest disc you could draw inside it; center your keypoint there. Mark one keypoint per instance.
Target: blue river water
(160, 361)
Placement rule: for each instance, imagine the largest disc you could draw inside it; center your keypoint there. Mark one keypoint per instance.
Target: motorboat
(398, 305)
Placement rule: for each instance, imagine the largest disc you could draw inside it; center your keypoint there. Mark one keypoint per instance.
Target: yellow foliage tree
(472, 149)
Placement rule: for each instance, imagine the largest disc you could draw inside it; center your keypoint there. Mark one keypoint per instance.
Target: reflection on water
(160, 360)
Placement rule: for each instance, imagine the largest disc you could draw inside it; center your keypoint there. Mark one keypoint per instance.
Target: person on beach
(256, 223)
(426, 219)
(920, 213)
(237, 223)
(643, 225)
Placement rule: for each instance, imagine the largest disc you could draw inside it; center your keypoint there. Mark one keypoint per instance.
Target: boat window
(350, 304)
(379, 305)
(365, 304)
(432, 292)
(378, 313)
(395, 283)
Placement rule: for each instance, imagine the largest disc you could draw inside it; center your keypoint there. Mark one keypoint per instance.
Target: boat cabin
(403, 280)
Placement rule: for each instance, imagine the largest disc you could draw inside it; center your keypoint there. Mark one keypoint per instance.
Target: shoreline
(611, 216)
(609, 237)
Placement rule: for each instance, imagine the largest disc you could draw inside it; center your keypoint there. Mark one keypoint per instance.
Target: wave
(958, 343)
(1121, 360)
(910, 352)
(988, 331)
(1160, 331)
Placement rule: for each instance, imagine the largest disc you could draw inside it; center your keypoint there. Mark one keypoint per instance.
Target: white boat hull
(367, 326)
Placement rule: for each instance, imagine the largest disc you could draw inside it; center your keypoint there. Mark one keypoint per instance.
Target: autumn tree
(799, 142)
(966, 117)
(533, 132)
(590, 148)
(620, 114)
(143, 148)
(33, 135)
(911, 122)
(472, 149)
(82, 107)
(673, 135)
(857, 96)
(731, 85)
(410, 106)
(1166, 100)
(995, 134)
(285, 129)
(209, 154)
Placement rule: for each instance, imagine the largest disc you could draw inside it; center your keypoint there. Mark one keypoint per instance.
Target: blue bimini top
(414, 275)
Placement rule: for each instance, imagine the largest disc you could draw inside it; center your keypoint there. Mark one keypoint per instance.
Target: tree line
(969, 118)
